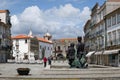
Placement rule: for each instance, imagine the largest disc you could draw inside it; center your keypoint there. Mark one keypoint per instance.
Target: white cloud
(65, 21)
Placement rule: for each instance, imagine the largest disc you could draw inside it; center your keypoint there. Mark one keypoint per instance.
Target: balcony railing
(113, 42)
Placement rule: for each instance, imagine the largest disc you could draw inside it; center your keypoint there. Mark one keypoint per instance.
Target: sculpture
(77, 57)
(71, 54)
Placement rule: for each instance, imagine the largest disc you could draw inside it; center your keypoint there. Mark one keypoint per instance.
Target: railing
(113, 42)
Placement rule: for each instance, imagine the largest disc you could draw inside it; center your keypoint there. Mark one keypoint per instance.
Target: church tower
(47, 36)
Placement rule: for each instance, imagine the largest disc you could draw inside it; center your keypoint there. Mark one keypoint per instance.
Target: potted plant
(23, 71)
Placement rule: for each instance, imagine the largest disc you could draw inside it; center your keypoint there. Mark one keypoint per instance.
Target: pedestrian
(49, 60)
(45, 61)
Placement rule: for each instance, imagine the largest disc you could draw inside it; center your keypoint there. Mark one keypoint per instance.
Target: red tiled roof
(3, 11)
(65, 39)
(43, 40)
(21, 36)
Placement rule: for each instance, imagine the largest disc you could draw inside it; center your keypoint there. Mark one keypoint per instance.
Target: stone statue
(80, 52)
(71, 54)
(76, 56)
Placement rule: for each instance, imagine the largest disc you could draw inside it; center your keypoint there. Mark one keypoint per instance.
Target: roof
(67, 39)
(21, 36)
(44, 40)
(4, 11)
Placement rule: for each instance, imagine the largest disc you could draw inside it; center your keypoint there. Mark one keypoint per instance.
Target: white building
(45, 46)
(28, 47)
(5, 35)
(25, 48)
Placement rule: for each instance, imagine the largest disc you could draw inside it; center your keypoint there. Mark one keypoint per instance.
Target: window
(48, 48)
(119, 36)
(113, 20)
(109, 39)
(109, 22)
(118, 18)
(114, 37)
(40, 46)
(17, 42)
(45, 47)
(25, 40)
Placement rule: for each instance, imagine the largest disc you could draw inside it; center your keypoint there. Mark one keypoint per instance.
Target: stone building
(61, 46)
(5, 35)
(96, 31)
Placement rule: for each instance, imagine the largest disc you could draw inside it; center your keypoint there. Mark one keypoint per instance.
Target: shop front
(106, 58)
(113, 57)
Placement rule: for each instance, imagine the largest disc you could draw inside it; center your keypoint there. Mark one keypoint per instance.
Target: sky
(61, 18)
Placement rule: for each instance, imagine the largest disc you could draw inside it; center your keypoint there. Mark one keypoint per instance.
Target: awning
(90, 53)
(98, 53)
(111, 51)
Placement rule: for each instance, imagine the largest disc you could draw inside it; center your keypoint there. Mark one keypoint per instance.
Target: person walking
(45, 61)
(49, 60)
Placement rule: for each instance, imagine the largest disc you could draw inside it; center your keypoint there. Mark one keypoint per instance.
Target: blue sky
(61, 18)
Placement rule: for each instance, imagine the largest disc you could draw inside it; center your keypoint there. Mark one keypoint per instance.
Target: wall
(3, 17)
(23, 48)
(44, 45)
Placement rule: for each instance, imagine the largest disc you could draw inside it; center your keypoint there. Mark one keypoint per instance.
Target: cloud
(63, 22)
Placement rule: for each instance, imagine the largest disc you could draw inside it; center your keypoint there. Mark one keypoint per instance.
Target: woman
(45, 61)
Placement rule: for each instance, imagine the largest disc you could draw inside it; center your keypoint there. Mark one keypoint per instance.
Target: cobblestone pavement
(60, 71)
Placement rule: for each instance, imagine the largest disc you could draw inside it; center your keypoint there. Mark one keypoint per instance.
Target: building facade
(45, 48)
(31, 48)
(96, 31)
(61, 46)
(25, 48)
(113, 37)
(5, 35)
